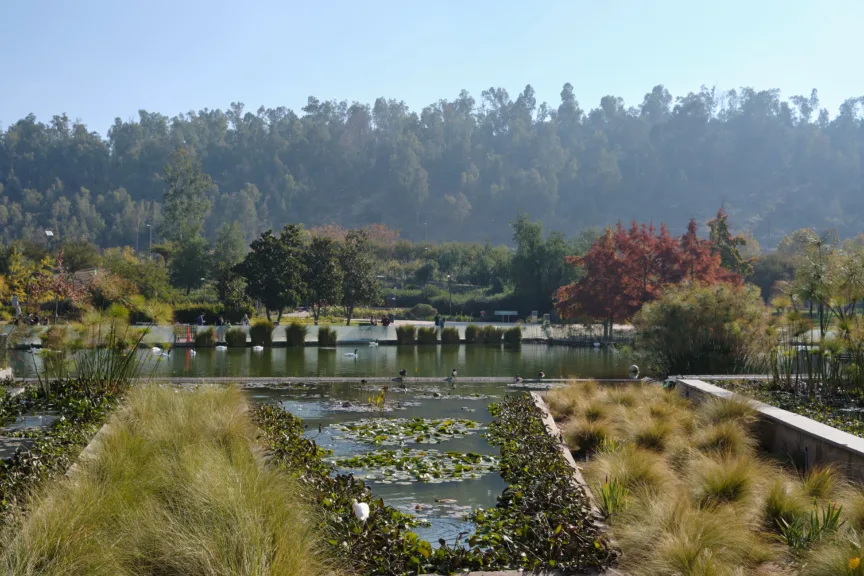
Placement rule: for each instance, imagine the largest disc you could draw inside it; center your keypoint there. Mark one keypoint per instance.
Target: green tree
(538, 266)
(726, 245)
(229, 247)
(231, 288)
(323, 274)
(359, 284)
(274, 270)
(185, 203)
(79, 254)
(190, 264)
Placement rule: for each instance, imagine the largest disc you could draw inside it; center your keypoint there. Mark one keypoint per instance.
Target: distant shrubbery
(427, 335)
(513, 336)
(406, 334)
(421, 312)
(261, 333)
(492, 335)
(295, 334)
(326, 337)
(205, 337)
(235, 337)
(450, 335)
(472, 334)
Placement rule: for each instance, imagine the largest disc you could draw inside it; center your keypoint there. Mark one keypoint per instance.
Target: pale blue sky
(100, 59)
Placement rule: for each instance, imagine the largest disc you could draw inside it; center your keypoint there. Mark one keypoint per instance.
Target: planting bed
(686, 493)
(844, 413)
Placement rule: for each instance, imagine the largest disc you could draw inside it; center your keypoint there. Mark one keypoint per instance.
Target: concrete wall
(792, 436)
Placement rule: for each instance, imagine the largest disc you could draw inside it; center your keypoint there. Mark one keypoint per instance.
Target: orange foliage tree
(627, 267)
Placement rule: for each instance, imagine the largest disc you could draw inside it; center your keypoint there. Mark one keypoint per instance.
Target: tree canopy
(458, 169)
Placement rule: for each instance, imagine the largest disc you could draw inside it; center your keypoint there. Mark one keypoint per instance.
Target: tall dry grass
(698, 499)
(176, 487)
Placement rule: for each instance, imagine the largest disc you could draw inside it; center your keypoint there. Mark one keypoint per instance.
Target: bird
(258, 348)
(541, 374)
(453, 373)
(596, 344)
(192, 352)
(156, 350)
(403, 373)
(362, 381)
(361, 510)
(221, 348)
(373, 344)
(351, 354)
(517, 379)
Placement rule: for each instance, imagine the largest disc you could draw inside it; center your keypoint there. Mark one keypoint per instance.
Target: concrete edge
(802, 424)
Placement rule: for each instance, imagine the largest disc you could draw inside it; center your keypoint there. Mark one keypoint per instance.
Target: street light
(150, 247)
(450, 291)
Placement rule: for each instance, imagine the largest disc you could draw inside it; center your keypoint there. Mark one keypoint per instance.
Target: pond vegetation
(686, 493)
(398, 431)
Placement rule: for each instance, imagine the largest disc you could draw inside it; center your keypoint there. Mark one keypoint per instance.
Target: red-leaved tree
(627, 267)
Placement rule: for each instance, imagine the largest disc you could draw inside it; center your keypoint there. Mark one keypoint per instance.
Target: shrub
(450, 335)
(187, 313)
(295, 334)
(586, 436)
(421, 312)
(716, 329)
(54, 337)
(235, 337)
(205, 337)
(492, 335)
(472, 333)
(724, 480)
(716, 410)
(820, 482)
(261, 333)
(783, 505)
(652, 434)
(635, 467)
(326, 337)
(406, 334)
(726, 437)
(427, 335)
(513, 336)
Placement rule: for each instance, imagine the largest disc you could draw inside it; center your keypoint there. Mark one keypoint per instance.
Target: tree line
(458, 169)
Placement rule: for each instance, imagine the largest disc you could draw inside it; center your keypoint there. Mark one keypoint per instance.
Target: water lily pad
(432, 466)
(398, 431)
(345, 406)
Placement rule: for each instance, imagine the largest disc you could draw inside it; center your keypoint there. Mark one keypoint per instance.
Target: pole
(150, 247)
(450, 291)
(137, 236)
(426, 235)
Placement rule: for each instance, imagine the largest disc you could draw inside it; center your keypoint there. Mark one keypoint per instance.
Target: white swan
(192, 352)
(351, 354)
(361, 510)
(258, 348)
(156, 350)
(221, 348)
(373, 344)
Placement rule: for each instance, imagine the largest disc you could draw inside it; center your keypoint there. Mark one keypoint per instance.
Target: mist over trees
(459, 169)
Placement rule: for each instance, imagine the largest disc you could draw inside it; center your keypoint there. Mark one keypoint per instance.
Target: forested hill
(463, 167)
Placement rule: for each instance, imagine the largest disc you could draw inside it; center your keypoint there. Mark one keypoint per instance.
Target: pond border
(801, 440)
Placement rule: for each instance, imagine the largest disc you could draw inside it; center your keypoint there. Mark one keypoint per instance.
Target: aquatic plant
(406, 334)
(235, 338)
(389, 431)
(205, 338)
(327, 337)
(295, 334)
(261, 333)
(513, 336)
(427, 335)
(450, 335)
(472, 334)
(406, 466)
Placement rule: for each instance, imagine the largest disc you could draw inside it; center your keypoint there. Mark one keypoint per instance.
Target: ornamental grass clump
(450, 335)
(295, 334)
(472, 334)
(176, 486)
(261, 333)
(406, 334)
(327, 337)
(427, 335)
(235, 338)
(699, 497)
(205, 338)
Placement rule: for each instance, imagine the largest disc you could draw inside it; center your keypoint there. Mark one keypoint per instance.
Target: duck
(192, 352)
(156, 350)
(351, 354)
(374, 344)
(258, 348)
(541, 374)
(453, 373)
(403, 373)
(517, 379)
(364, 382)
(221, 348)
(361, 510)
(596, 345)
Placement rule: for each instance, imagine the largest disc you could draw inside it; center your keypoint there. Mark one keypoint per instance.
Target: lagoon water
(381, 361)
(442, 504)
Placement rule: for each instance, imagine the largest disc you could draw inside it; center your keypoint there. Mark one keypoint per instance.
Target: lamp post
(450, 292)
(150, 246)
(50, 235)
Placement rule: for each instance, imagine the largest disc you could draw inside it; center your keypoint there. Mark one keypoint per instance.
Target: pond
(331, 410)
(382, 361)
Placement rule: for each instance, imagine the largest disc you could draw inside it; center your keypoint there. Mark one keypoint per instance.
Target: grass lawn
(177, 486)
(687, 494)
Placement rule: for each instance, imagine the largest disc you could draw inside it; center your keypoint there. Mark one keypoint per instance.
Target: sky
(97, 60)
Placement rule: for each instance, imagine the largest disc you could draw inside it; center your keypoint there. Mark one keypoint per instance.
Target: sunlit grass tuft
(820, 482)
(635, 468)
(783, 503)
(723, 480)
(717, 410)
(652, 434)
(586, 436)
(176, 487)
(725, 437)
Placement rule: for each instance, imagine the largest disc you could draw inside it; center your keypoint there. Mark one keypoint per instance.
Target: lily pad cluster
(407, 466)
(399, 431)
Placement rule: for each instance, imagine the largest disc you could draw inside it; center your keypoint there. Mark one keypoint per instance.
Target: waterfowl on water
(363, 382)
(373, 344)
(257, 348)
(221, 348)
(517, 379)
(351, 354)
(541, 374)
(453, 373)
(192, 352)
(403, 373)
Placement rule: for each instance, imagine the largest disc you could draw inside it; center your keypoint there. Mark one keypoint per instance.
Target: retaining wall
(792, 436)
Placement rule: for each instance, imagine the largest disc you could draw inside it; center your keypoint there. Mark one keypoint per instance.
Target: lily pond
(423, 450)
(421, 361)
